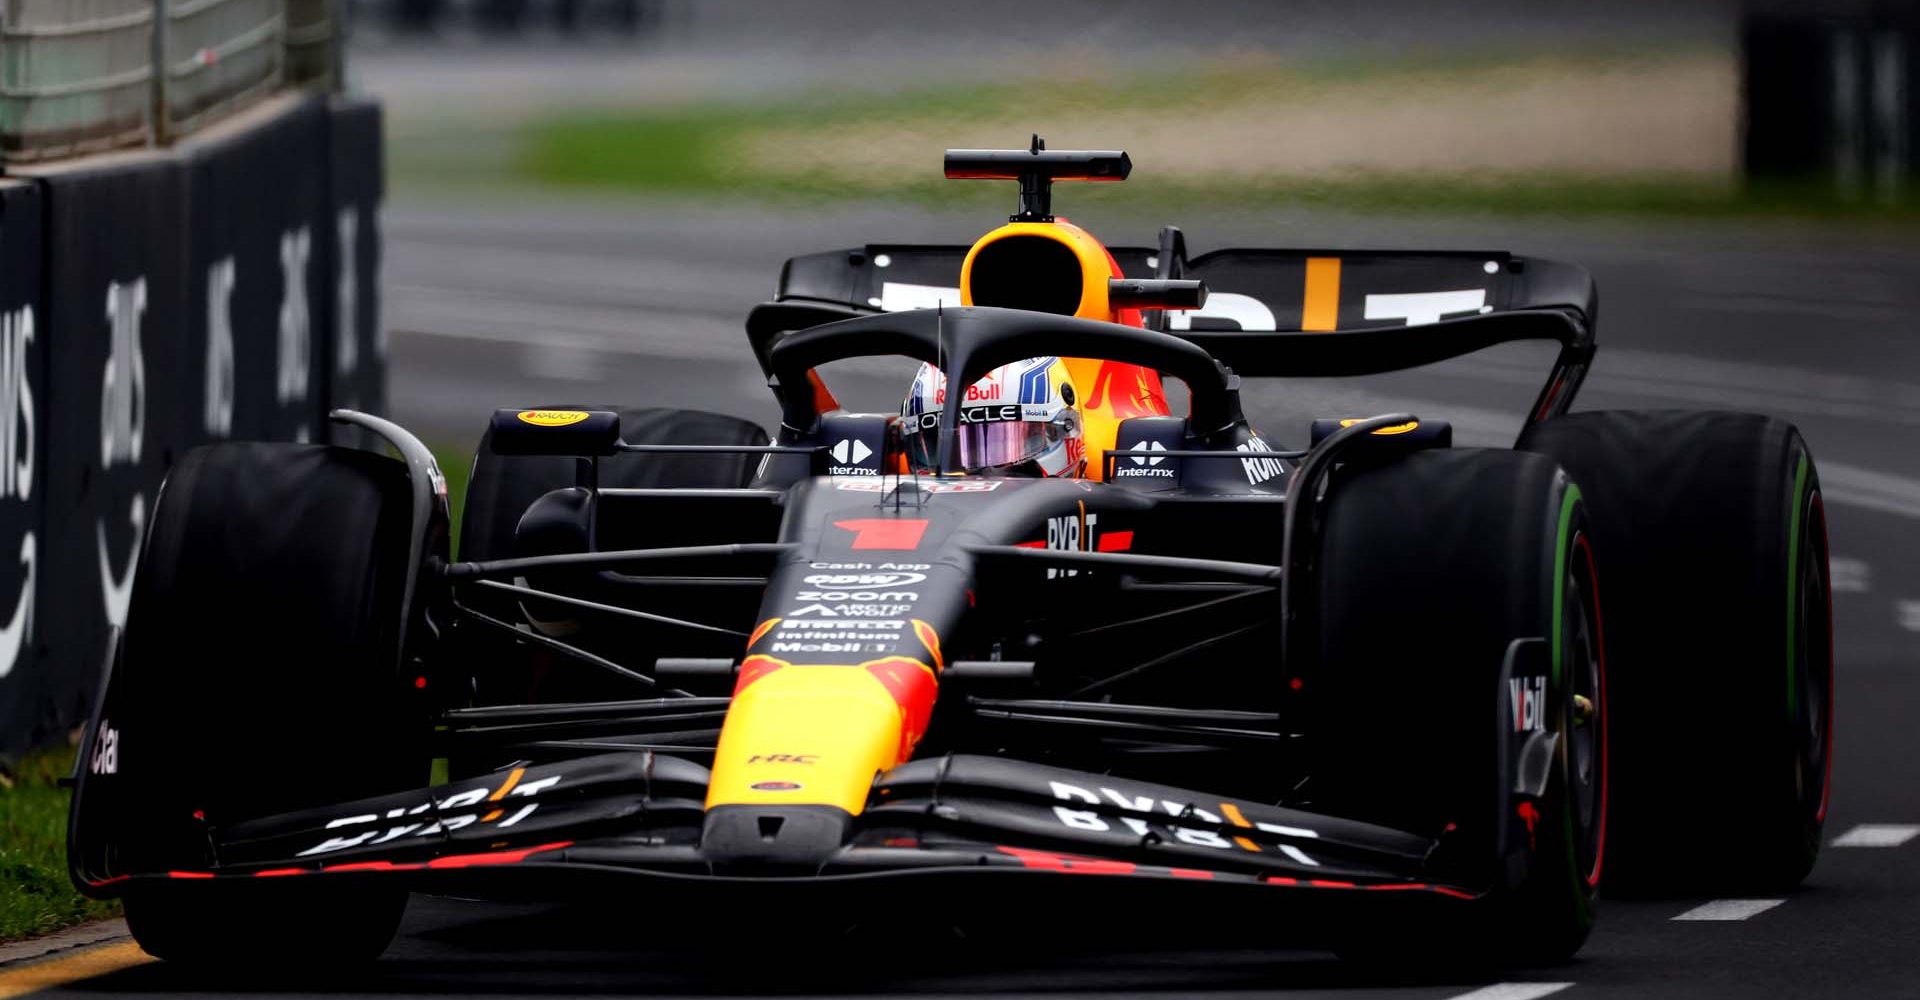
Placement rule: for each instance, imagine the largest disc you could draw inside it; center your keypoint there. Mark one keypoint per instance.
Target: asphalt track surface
(643, 304)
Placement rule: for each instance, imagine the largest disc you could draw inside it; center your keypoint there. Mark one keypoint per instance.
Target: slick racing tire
(260, 670)
(1720, 629)
(1430, 568)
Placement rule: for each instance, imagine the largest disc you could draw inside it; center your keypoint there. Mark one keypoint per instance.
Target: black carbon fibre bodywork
(1151, 727)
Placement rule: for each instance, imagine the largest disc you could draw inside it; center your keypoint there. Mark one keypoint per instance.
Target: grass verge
(826, 148)
(35, 895)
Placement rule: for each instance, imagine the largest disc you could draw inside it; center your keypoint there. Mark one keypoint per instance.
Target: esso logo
(552, 418)
(844, 580)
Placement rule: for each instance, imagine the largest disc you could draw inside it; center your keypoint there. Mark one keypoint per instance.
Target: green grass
(694, 150)
(687, 153)
(35, 895)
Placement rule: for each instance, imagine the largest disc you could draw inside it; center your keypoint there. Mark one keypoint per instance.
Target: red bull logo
(976, 393)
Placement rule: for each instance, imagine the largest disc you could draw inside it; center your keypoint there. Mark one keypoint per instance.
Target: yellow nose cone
(817, 735)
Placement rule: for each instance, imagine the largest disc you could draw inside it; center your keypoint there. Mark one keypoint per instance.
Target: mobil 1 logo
(1527, 696)
(837, 635)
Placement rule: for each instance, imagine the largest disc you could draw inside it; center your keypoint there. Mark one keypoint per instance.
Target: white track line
(1907, 615)
(1861, 487)
(1730, 909)
(1513, 991)
(1850, 576)
(1877, 835)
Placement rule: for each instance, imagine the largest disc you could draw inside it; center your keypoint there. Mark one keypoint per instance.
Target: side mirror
(568, 432)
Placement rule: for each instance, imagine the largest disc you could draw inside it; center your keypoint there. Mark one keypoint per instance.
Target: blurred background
(586, 196)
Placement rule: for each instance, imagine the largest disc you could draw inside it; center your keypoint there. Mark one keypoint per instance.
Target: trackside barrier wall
(151, 302)
(358, 375)
(23, 449)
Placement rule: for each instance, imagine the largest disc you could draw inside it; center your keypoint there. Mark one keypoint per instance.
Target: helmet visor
(985, 445)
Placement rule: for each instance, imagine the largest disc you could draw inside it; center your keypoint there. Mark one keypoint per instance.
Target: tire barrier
(226, 289)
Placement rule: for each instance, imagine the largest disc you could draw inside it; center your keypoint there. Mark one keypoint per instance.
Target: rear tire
(1719, 620)
(261, 655)
(1431, 567)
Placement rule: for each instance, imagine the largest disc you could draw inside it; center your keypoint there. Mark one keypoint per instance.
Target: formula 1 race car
(1044, 636)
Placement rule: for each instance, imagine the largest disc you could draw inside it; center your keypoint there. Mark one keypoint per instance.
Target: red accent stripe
(1070, 862)
(1031, 545)
(885, 532)
(1049, 861)
(914, 688)
(753, 668)
(189, 874)
(930, 639)
(1379, 887)
(762, 629)
(1600, 651)
(496, 857)
(1546, 404)
(276, 872)
(1115, 541)
(373, 866)
(823, 400)
(109, 881)
(1826, 582)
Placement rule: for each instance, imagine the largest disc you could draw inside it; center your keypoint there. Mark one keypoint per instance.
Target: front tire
(1430, 568)
(261, 662)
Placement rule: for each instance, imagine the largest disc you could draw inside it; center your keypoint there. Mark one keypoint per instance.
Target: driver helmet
(1019, 420)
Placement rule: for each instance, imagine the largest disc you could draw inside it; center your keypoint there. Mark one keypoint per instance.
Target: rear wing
(1285, 313)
